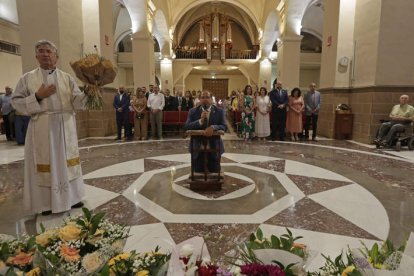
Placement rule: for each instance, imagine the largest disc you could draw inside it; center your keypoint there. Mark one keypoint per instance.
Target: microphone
(205, 107)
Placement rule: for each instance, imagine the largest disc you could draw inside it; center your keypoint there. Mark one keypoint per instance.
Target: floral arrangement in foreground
(17, 256)
(386, 256)
(192, 263)
(139, 264)
(342, 265)
(82, 245)
(94, 71)
(273, 256)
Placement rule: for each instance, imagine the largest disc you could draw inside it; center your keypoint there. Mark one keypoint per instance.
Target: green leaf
(259, 234)
(374, 253)
(10, 272)
(42, 227)
(104, 271)
(81, 222)
(95, 221)
(289, 232)
(87, 214)
(252, 237)
(275, 242)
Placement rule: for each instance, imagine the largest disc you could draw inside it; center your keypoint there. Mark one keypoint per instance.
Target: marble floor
(333, 193)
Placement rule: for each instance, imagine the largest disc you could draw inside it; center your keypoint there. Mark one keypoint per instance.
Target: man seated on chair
(209, 118)
(401, 115)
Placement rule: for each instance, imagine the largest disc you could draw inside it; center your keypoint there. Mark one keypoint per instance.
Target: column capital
(289, 38)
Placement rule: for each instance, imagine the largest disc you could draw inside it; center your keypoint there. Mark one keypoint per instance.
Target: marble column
(288, 60)
(143, 58)
(166, 69)
(336, 61)
(337, 44)
(265, 75)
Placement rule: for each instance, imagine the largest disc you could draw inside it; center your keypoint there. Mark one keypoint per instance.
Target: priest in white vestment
(53, 180)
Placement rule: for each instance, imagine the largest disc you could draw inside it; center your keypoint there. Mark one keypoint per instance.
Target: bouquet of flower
(341, 266)
(129, 264)
(94, 71)
(263, 254)
(81, 246)
(17, 255)
(385, 259)
(198, 265)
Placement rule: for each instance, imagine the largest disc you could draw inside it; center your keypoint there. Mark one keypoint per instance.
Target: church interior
(335, 192)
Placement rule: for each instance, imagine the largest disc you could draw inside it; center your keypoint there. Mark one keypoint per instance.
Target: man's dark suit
(181, 101)
(278, 114)
(171, 103)
(217, 121)
(122, 118)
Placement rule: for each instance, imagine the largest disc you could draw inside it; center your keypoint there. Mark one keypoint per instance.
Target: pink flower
(260, 270)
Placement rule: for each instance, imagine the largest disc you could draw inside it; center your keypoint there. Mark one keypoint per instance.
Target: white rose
(92, 262)
(186, 250)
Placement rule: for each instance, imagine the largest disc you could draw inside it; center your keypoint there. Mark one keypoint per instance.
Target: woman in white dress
(262, 114)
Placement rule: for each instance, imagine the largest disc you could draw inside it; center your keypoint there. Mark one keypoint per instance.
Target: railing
(243, 54)
(191, 54)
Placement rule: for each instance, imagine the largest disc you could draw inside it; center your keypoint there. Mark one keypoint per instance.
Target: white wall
(307, 76)
(10, 74)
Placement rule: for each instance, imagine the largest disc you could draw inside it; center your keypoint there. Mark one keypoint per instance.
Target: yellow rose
(34, 272)
(44, 238)
(142, 273)
(347, 270)
(69, 233)
(92, 262)
(122, 256)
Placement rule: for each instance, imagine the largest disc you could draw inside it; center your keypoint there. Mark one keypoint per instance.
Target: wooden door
(218, 87)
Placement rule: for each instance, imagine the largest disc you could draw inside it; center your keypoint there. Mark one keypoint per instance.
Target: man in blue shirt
(312, 101)
(6, 111)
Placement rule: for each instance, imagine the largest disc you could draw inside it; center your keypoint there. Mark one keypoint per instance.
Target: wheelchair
(403, 138)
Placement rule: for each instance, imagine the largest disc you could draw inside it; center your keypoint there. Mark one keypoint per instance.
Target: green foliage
(337, 266)
(257, 241)
(90, 222)
(377, 255)
(284, 242)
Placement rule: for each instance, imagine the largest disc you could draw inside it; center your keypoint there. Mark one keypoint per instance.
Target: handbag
(139, 115)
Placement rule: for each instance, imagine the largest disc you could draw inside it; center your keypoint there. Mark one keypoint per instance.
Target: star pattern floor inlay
(332, 191)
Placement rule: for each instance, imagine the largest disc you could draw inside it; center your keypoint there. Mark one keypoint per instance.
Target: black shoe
(78, 205)
(46, 213)
(118, 139)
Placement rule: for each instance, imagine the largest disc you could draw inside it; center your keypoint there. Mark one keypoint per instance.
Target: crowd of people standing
(265, 115)
(255, 114)
(148, 107)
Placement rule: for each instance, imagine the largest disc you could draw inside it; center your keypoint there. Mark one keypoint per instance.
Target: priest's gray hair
(46, 42)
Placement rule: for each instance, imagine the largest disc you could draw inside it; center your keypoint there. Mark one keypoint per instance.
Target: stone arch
(270, 33)
(160, 31)
(126, 35)
(137, 10)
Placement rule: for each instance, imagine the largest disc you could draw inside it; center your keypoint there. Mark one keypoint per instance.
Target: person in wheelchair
(402, 115)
